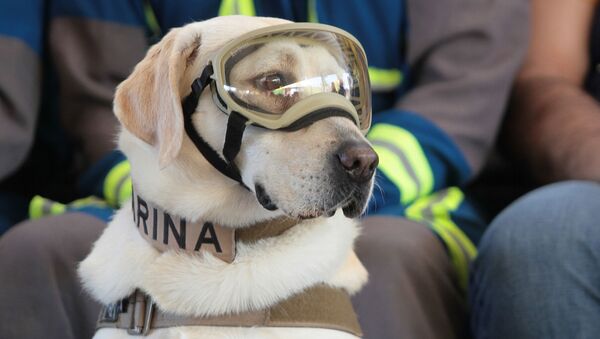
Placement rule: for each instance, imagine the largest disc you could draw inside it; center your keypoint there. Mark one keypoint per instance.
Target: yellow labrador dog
(183, 259)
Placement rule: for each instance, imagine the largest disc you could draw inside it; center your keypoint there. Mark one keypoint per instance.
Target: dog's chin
(352, 206)
(351, 209)
(314, 214)
(354, 209)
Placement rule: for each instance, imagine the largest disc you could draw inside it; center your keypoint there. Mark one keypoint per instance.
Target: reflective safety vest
(116, 189)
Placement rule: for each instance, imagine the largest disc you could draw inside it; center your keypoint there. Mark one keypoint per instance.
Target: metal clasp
(110, 313)
(141, 308)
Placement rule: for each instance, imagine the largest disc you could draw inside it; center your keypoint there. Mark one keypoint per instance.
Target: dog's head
(304, 173)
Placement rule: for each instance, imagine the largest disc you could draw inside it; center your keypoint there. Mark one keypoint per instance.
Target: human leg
(538, 270)
(40, 294)
(413, 291)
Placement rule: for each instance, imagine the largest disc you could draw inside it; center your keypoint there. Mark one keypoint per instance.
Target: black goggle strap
(233, 138)
(236, 124)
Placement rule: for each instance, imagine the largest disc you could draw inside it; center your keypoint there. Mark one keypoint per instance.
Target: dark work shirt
(593, 78)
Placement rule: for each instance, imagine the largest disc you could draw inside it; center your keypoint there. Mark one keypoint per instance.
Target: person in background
(538, 270)
(440, 72)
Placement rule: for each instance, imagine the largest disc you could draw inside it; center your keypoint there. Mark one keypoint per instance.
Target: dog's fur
(295, 169)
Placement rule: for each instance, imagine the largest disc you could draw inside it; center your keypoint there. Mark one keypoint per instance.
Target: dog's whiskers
(377, 187)
(348, 198)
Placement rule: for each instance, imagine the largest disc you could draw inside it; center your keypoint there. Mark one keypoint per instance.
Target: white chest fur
(262, 274)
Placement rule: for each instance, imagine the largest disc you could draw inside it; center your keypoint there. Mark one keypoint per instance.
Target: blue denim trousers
(538, 270)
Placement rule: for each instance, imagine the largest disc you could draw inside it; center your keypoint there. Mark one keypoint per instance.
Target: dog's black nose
(358, 159)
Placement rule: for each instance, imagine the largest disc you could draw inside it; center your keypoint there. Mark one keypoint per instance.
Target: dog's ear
(148, 102)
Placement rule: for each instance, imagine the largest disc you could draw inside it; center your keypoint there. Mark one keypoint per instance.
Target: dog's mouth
(352, 205)
(263, 198)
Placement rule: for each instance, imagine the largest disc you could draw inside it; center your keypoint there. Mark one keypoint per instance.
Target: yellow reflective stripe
(36, 206)
(125, 191)
(246, 7)
(151, 20)
(405, 143)
(312, 11)
(459, 261)
(452, 201)
(57, 208)
(40, 207)
(385, 79)
(237, 7)
(88, 201)
(393, 168)
(117, 175)
(416, 212)
(435, 211)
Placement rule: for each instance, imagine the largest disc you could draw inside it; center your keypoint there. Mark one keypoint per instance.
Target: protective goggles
(282, 77)
(285, 76)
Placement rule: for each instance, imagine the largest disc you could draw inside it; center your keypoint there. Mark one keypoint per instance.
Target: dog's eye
(270, 82)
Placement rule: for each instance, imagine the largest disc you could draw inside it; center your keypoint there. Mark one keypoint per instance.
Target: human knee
(398, 243)
(29, 239)
(546, 225)
(42, 237)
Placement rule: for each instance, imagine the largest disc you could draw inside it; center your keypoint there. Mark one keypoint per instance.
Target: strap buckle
(110, 313)
(141, 308)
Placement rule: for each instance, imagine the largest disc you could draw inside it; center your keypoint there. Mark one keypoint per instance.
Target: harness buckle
(110, 313)
(141, 308)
